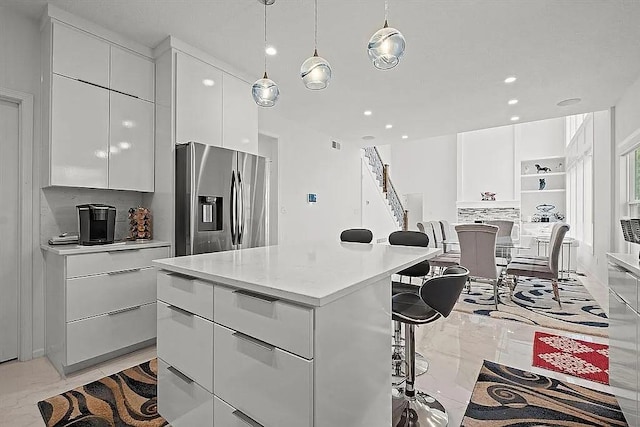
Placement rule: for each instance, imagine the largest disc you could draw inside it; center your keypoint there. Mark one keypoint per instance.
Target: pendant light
(315, 71)
(265, 91)
(386, 46)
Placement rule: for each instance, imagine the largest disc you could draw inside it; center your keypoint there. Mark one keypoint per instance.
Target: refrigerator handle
(232, 207)
(241, 213)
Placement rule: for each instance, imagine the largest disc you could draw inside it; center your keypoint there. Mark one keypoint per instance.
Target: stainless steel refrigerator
(221, 199)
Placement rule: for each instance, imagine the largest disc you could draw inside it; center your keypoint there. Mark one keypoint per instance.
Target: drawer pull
(179, 374)
(124, 310)
(246, 419)
(181, 310)
(181, 276)
(123, 249)
(258, 297)
(128, 270)
(255, 341)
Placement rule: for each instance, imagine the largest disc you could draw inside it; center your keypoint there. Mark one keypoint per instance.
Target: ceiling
(451, 78)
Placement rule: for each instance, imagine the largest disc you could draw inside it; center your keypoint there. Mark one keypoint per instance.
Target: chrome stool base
(422, 364)
(420, 410)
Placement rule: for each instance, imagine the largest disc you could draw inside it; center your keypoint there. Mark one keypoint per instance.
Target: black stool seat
(411, 308)
(400, 288)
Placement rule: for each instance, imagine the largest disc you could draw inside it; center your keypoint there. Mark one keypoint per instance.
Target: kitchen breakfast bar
(279, 336)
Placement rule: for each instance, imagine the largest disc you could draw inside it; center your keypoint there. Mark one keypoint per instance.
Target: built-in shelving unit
(542, 184)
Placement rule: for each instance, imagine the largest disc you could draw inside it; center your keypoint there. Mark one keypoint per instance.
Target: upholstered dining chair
(444, 260)
(541, 267)
(505, 228)
(478, 253)
(356, 235)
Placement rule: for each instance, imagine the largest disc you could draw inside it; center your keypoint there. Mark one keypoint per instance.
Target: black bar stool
(421, 270)
(356, 235)
(435, 300)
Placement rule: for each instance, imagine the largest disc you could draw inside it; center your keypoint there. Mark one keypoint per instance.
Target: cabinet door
(198, 101)
(623, 356)
(239, 116)
(79, 134)
(130, 143)
(132, 74)
(78, 55)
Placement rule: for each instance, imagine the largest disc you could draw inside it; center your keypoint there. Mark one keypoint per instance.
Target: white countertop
(118, 246)
(629, 262)
(312, 274)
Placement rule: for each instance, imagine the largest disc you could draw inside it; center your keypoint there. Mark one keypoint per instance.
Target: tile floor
(455, 348)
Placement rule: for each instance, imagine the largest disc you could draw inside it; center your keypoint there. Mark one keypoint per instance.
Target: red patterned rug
(581, 359)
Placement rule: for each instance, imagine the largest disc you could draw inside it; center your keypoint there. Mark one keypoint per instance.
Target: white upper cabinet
(79, 55)
(79, 134)
(198, 101)
(132, 74)
(239, 116)
(130, 143)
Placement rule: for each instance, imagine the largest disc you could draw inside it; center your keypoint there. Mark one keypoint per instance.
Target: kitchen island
(279, 336)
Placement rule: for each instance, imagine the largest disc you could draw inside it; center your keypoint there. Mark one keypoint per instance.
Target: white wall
(308, 164)
(487, 163)
(544, 138)
(593, 259)
(427, 166)
(20, 71)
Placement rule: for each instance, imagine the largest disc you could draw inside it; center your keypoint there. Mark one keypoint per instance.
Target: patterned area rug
(570, 356)
(533, 304)
(128, 398)
(505, 396)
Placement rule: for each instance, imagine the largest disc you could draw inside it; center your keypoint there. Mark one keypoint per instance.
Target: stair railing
(380, 171)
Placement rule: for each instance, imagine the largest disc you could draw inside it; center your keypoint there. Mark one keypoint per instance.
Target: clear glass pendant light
(386, 46)
(315, 71)
(265, 91)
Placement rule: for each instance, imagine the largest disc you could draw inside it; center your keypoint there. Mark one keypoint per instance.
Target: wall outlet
(335, 145)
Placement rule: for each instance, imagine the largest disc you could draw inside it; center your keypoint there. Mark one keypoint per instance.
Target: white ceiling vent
(335, 145)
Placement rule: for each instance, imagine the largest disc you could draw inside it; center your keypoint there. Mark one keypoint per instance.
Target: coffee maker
(97, 224)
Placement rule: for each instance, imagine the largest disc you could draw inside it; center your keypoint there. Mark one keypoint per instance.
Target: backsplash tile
(489, 213)
(58, 208)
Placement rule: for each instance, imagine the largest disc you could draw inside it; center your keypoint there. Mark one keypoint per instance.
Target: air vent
(335, 145)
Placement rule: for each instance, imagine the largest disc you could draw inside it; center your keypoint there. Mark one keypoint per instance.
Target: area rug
(533, 304)
(581, 359)
(127, 398)
(505, 396)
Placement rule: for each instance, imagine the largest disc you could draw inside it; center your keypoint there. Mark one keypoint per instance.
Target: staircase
(386, 186)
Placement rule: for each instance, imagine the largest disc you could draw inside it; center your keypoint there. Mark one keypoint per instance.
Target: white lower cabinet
(95, 336)
(182, 401)
(99, 305)
(178, 330)
(270, 385)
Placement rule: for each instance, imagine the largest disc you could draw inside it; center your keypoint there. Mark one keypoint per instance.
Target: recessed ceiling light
(510, 79)
(405, 136)
(368, 137)
(208, 82)
(367, 113)
(270, 50)
(570, 101)
(515, 118)
(388, 126)
(512, 102)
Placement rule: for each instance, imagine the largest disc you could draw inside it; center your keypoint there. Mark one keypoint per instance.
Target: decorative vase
(543, 183)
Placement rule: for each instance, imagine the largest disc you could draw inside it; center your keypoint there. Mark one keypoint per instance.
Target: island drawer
(103, 334)
(181, 401)
(95, 295)
(226, 415)
(272, 386)
(284, 325)
(113, 261)
(187, 293)
(186, 342)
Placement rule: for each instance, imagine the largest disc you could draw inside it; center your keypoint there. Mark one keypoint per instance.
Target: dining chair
(541, 267)
(447, 259)
(478, 253)
(505, 228)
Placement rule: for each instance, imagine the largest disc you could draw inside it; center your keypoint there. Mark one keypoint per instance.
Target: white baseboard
(38, 353)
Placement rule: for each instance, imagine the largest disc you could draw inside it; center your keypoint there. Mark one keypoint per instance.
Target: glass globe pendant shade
(315, 72)
(265, 92)
(386, 47)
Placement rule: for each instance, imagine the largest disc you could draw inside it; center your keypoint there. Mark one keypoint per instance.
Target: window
(580, 177)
